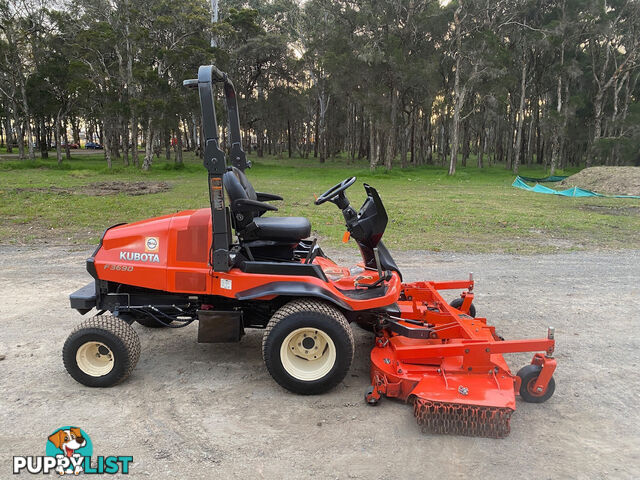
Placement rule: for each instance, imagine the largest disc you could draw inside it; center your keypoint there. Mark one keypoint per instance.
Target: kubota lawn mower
(170, 271)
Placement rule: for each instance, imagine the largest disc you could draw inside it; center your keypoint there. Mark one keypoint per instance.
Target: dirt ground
(101, 189)
(608, 180)
(211, 411)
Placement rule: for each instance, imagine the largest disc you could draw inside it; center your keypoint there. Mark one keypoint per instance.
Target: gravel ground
(212, 411)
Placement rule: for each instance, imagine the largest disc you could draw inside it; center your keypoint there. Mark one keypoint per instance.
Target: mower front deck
(451, 365)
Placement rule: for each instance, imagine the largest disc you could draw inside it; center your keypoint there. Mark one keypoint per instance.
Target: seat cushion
(281, 228)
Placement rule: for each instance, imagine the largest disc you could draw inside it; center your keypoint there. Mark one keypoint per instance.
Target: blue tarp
(569, 192)
(552, 178)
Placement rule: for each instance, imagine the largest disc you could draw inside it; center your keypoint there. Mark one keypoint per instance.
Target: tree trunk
(260, 146)
(465, 143)
(458, 94)
(373, 161)
(597, 126)
(125, 142)
(167, 144)
(482, 145)
(9, 134)
(428, 140)
(412, 138)
(75, 130)
(323, 105)
(57, 139)
(289, 137)
(106, 144)
(27, 122)
(134, 141)
(454, 141)
(179, 160)
(391, 140)
(148, 151)
(41, 135)
(530, 142)
(523, 91)
(65, 137)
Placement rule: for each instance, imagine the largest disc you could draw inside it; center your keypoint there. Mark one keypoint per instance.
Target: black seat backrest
(238, 186)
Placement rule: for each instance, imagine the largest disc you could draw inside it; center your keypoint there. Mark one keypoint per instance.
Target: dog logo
(69, 451)
(71, 443)
(151, 244)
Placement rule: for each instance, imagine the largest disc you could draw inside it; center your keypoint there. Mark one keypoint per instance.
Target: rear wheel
(101, 351)
(308, 346)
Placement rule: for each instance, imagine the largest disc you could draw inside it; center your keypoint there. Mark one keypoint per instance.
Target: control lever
(311, 255)
(376, 255)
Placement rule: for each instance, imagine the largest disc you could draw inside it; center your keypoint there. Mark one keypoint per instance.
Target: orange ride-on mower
(170, 271)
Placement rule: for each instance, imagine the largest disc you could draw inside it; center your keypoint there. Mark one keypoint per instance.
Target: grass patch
(477, 210)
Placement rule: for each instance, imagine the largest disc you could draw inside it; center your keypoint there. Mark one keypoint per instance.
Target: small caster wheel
(528, 377)
(371, 397)
(457, 303)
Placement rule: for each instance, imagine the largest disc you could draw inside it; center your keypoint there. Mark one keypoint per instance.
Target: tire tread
(302, 305)
(119, 328)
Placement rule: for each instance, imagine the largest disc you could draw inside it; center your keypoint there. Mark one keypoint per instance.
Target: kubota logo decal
(140, 257)
(151, 244)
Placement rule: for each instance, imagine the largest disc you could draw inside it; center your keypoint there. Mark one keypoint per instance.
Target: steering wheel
(336, 190)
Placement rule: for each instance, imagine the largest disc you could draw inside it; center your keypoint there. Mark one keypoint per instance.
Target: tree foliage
(400, 83)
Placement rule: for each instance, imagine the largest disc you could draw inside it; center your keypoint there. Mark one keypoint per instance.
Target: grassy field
(475, 211)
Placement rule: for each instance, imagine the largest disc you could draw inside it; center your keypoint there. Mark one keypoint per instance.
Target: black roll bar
(214, 158)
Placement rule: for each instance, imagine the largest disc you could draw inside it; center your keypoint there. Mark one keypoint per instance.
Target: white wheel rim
(308, 354)
(95, 359)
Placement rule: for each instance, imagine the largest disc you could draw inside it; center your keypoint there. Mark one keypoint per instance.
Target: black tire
(314, 315)
(119, 344)
(528, 376)
(457, 303)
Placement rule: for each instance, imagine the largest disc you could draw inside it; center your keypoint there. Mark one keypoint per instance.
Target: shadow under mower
(169, 271)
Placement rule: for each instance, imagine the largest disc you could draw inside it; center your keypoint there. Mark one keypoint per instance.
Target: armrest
(265, 197)
(248, 205)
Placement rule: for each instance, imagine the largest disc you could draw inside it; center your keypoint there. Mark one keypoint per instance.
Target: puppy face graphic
(68, 440)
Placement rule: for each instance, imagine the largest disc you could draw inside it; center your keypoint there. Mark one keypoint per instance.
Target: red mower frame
(230, 268)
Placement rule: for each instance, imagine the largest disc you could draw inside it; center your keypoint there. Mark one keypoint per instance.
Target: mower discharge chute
(170, 271)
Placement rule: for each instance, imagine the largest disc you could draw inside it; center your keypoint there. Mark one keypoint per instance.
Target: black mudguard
(84, 299)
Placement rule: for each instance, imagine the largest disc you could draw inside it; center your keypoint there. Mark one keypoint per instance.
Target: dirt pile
(607, 180)
(100, 189)
(128, 188)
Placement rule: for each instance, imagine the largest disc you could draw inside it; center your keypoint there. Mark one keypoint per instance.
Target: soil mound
(607, 180)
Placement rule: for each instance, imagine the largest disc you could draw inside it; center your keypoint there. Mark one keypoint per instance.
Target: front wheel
(457, 303)
(528, 377)
(308, 346)
(101, 351)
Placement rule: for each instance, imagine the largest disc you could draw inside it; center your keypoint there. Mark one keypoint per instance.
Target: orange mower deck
(453, 370)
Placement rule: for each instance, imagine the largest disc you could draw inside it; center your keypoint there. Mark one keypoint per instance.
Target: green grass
(477, 210)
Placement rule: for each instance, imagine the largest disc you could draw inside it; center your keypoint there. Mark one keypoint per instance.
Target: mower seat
(250, 225)
(282, 228)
